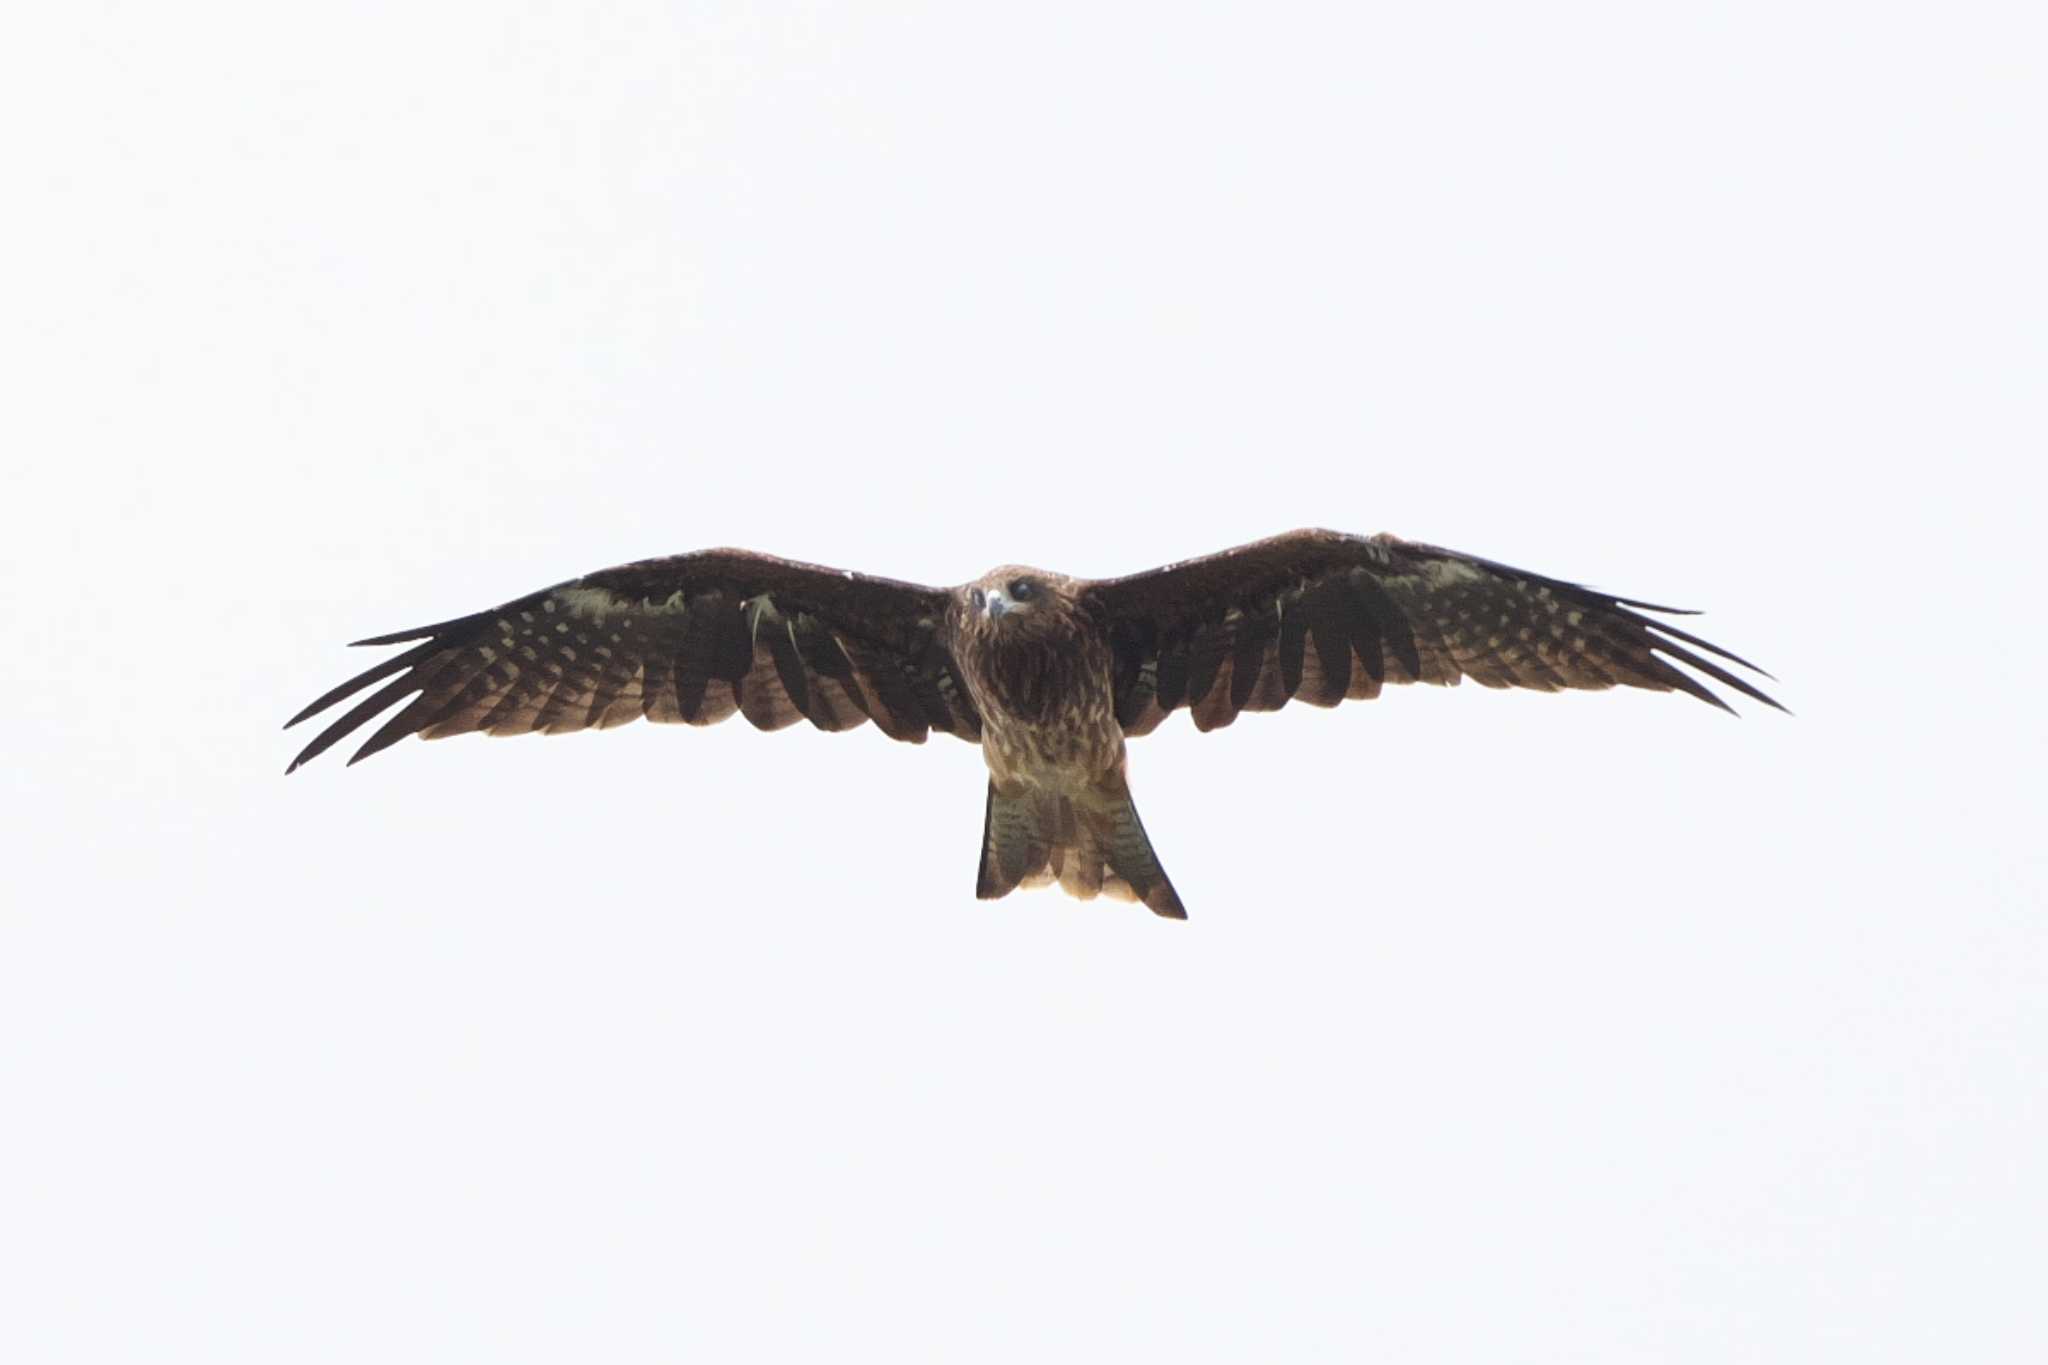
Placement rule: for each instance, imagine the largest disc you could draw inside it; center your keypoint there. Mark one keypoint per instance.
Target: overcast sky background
(1507, 1027)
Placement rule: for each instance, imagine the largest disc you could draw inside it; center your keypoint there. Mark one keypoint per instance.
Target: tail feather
(1091, 844)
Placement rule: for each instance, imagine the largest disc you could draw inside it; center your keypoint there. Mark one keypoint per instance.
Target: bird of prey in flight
(1048, 674)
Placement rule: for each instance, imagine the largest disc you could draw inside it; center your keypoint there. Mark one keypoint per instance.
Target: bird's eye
(1022, 590)
(979, 598)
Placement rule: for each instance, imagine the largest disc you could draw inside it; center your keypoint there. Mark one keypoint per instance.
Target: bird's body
(1049, 674)
(1041, 673)
(1042, 683)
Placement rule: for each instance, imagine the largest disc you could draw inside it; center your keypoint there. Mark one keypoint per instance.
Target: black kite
(1048, 674)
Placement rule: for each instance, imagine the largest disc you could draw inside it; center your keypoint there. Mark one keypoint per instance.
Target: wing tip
(1669, 656)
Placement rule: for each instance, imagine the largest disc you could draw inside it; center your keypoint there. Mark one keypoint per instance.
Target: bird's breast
(1046, 712)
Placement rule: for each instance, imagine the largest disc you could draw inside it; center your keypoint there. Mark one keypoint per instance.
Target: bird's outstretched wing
(689, 638)
(1324, 616)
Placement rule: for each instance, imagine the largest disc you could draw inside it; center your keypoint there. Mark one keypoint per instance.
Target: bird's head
(1015, 600)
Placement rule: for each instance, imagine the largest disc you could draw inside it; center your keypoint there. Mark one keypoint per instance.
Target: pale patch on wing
(594, 604)
(758, 609)
(598, 604)
(1444, 573)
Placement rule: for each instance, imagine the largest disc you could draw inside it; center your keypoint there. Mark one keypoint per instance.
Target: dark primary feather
(1324, 616)
(689, 638)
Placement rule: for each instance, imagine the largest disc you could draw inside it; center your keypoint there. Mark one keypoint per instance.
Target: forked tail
(1091, 844)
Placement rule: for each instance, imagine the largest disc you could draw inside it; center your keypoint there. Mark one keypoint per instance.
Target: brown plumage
(1048, 674)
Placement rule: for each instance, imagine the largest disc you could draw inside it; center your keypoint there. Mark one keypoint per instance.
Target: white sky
(1589, 1028)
